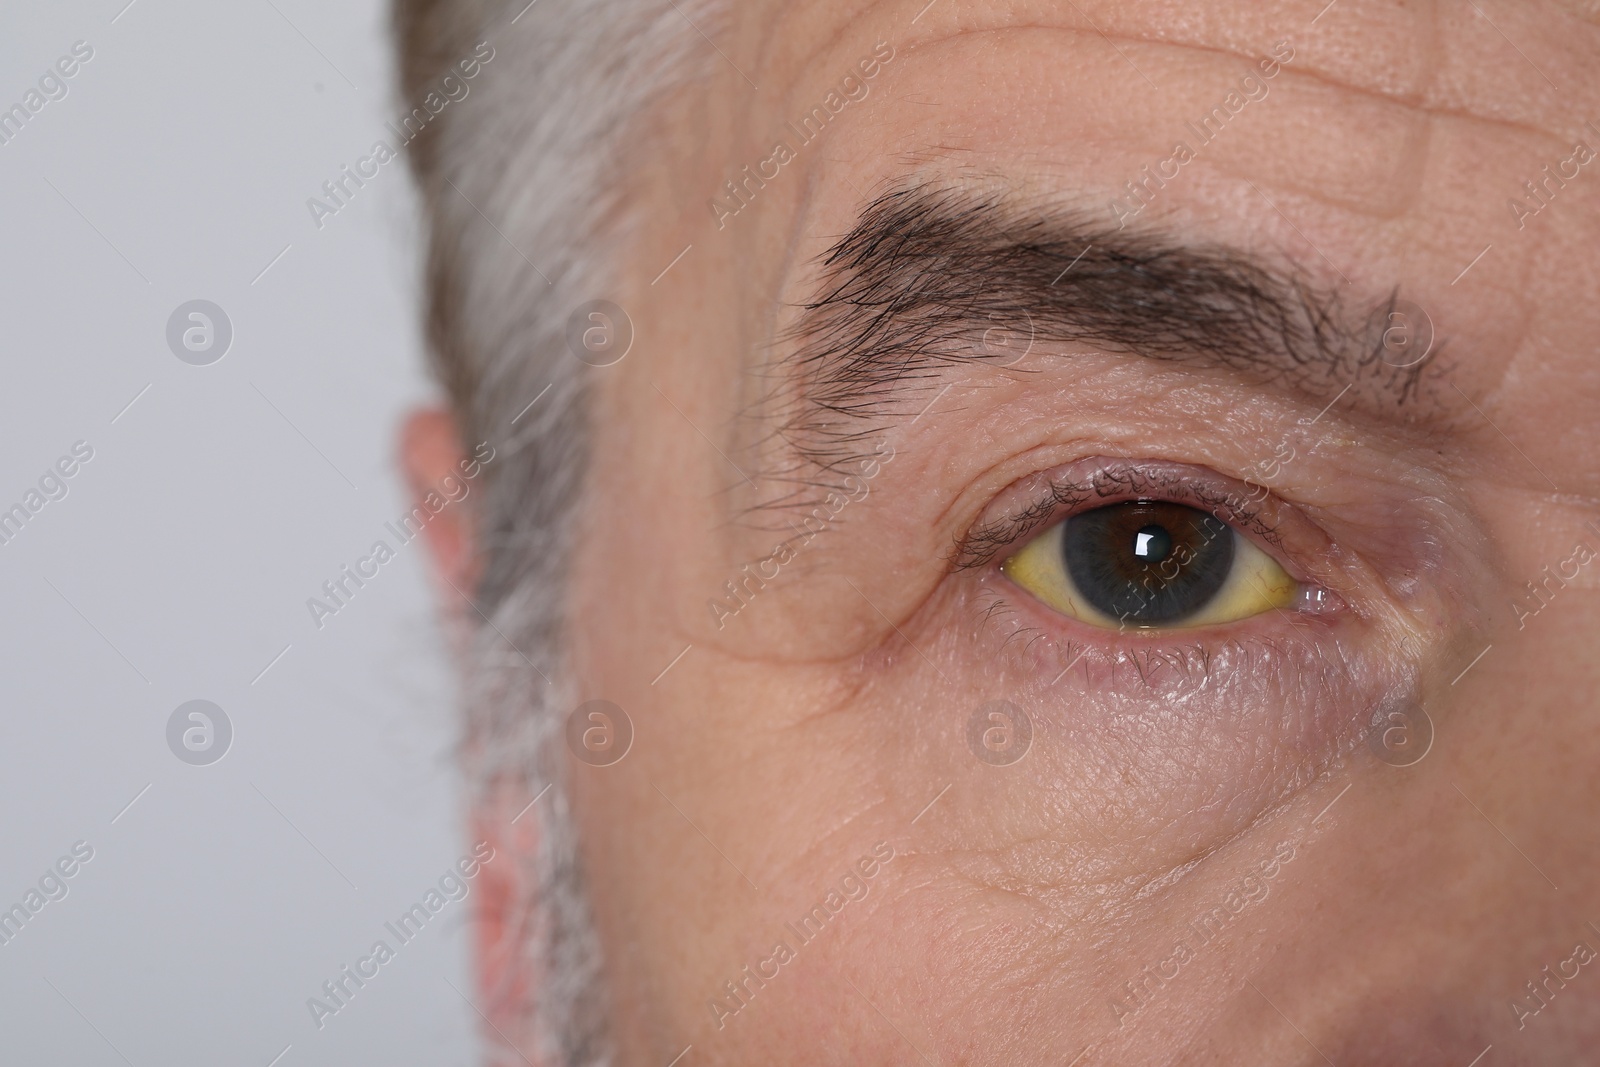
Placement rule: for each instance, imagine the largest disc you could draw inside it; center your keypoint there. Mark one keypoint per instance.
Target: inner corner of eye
(1147, 564)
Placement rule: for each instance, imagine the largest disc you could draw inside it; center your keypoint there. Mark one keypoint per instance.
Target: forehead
(1383, 115)
(1432, 148)
(1517, 63)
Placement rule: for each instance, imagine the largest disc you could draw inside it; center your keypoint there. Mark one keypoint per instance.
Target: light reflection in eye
(1150, 563)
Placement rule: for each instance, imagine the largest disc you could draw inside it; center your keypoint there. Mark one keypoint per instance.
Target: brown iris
(1147, 562)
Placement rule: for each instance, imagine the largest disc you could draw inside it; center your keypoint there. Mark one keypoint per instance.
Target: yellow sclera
(1255, 583)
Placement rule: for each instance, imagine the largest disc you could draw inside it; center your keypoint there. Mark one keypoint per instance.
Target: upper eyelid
(985, 541)
(988, 539)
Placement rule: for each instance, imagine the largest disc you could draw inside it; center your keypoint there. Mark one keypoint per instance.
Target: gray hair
(518, 182)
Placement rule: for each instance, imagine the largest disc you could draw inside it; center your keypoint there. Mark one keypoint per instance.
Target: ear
(430, 452)
(508, 918)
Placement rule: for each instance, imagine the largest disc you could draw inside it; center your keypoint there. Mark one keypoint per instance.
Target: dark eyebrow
(913, 287)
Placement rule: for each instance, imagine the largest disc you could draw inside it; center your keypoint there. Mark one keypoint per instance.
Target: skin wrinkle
(1412, 164)
(1416, 154)
(946, 39)
(1117, 894)
(1418, 101)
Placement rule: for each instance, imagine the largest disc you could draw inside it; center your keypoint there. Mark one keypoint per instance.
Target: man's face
(1032, 669)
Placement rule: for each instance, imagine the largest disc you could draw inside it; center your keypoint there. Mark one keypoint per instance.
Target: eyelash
(1111, 483)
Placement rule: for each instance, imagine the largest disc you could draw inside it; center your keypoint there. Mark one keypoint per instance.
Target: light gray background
(179, 564)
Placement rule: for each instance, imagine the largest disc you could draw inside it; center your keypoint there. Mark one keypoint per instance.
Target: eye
(1150, 563)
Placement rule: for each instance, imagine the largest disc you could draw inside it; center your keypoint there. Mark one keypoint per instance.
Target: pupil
(1152, 544)
(1147, 562)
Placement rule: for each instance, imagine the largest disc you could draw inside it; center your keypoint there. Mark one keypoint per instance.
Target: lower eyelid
(1038, 657)
(1196, 732)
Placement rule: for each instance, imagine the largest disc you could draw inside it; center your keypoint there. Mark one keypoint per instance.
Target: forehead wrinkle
(1422, 99)
(830, 43)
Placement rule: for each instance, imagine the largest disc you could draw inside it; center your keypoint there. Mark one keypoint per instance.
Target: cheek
(985, 958)
(1023, 960)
